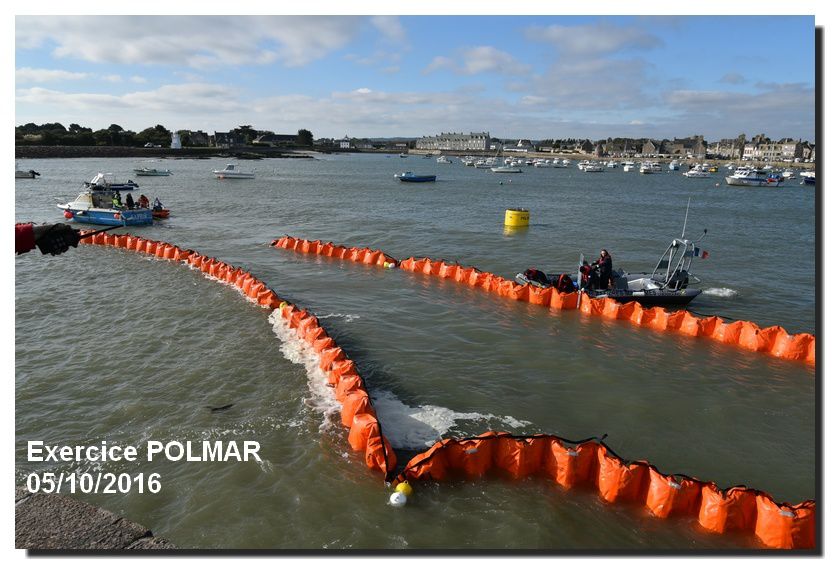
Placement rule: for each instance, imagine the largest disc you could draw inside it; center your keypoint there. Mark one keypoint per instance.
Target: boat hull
(96, 216)
(234, 175)
(151, 172)
(646, 297)
(418, 178)
(744, 182)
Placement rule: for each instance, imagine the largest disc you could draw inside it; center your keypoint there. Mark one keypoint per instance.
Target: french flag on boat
(700, 253)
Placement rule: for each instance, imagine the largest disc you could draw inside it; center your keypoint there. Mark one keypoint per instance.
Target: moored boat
(808, 178)
(411, 177)
(105, 182)
(649, 167)
(151, 171)
(698, 171)
(752, 177)
(231, 171)
(505, 169)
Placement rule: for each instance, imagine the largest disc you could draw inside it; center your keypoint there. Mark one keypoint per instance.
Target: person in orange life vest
(52, 239)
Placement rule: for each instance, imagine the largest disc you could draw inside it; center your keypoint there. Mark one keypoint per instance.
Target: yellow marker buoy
(399, 497)
(405, 488)
(517, 217)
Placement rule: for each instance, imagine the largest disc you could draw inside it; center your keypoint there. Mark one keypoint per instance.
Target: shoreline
(60, 151)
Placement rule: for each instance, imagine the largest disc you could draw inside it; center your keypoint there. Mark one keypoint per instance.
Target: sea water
(112, 345)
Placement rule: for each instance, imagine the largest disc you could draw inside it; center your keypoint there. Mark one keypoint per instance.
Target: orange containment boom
(572, 464)
(744, 334)
(357, 413)
(592, 464)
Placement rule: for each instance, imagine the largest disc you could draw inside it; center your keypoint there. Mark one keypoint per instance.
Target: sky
(532, 76)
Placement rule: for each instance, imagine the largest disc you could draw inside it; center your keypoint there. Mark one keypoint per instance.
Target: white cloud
(593, 40)
(391, 28)
(113, 78)
(195, 41)
(40, 75)
(479, 60)
(440, 63)
(779, 111)
(733, 78)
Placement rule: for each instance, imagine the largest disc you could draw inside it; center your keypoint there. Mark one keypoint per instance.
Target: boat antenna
(685, 222)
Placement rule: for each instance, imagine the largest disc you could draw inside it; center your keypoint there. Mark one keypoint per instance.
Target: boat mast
(685, 222)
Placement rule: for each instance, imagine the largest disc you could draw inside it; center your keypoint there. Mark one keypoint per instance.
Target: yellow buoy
(405, 488)
(517, 217)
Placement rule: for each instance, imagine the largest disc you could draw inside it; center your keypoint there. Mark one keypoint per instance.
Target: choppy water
(113, 346)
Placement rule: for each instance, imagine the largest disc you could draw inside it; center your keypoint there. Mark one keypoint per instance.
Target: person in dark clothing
(129, 201)
(604, 267)
(52, 239)
(585, 275)
(564, 284)
(143, 201)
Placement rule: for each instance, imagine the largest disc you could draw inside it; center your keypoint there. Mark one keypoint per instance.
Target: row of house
(473, 141)
(236, 138)
(759, 148)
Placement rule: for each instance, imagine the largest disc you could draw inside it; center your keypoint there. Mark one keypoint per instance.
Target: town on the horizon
(756, 148)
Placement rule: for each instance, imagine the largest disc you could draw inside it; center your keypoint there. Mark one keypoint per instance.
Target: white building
(472, 141)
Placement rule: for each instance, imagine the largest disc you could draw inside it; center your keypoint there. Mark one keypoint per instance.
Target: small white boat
(443, 159)
(151, 171)
(788, 174)
(752, 177)
(629, 166)
(674, 166)
(506, 169)
(233, 172)
(698, 171)
(593, 168)
(649, 167)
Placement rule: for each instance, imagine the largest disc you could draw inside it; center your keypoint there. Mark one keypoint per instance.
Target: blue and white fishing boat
(808, 178)
(753, 177)
(410, 176)
(97, 207)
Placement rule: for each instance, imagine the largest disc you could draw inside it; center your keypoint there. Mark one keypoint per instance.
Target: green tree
(304, 138)
(185, 138)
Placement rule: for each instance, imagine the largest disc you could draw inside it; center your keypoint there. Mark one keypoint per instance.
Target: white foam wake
(405, 426)
(720, 292)
(321, 398)
(420, 427)
(347, 318)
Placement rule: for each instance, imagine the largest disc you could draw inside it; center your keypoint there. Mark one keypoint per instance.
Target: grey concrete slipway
(54, 522)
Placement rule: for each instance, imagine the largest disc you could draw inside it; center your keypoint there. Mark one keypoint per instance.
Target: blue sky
(514, 76)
